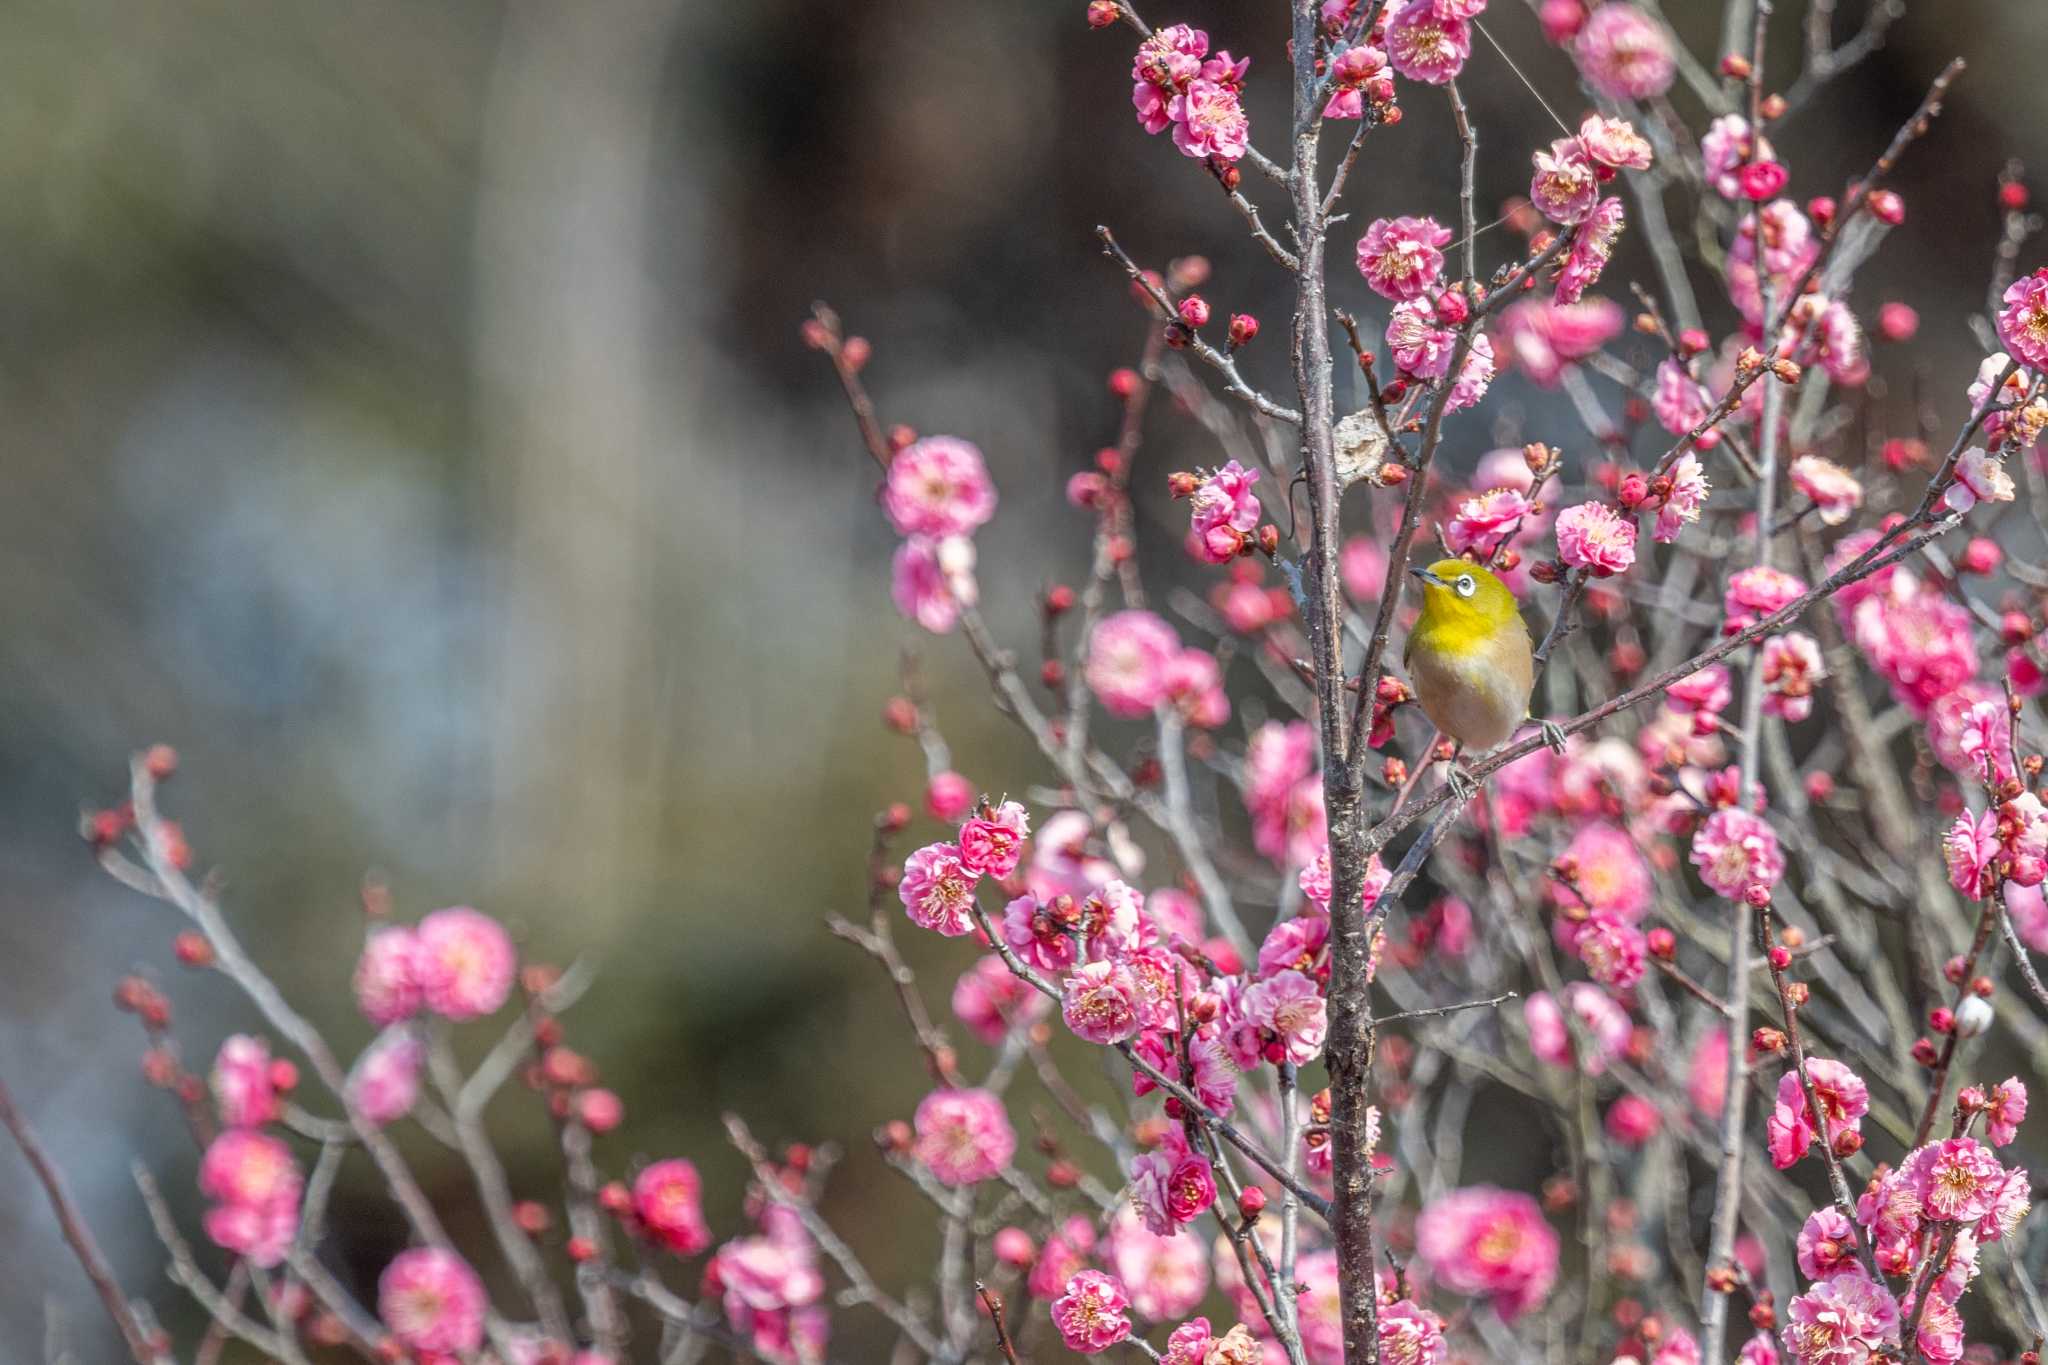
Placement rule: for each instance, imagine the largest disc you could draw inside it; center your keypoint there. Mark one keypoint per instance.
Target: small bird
(1469, 659)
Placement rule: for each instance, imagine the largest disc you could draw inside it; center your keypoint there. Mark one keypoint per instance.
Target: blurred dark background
(404, 415)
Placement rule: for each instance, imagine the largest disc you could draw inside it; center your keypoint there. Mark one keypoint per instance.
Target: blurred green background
(404, 416)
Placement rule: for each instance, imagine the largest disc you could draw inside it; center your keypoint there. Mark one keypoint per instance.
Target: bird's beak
(1428, 577)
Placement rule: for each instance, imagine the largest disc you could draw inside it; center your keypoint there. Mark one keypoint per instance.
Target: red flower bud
(1663, 944)
(193, 949)
(1194, 311)
(1243, 327)
(1123, 382)
(1887, 207)
(1924, 1052)
(1761, 180)
(160, 762)
(1941, 1019)
(1251, 1202)
(1821, 208)
(1735, 66)
(1781, 957)
(2012, 196)
(1103, 13)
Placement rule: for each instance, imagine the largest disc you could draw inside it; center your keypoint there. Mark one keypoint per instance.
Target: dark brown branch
(78, 1233)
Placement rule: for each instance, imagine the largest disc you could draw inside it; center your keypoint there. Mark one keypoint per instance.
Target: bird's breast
(1477, 693)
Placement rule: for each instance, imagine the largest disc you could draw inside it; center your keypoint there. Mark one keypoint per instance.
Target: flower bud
(1394, 772)
(1392, 474)
(900, 715)
(580, 1249)
(1546, 570)
(1781, 957)
(1182, 484)
(1984, 986)
(1887, 207)
(1058, 598)
(1243, 327)
(1123, 383)
(1924, 1052)
(193, 949)
(1269, 540)
(1772, 106)
(1194, 311)
(1103, 13)
(1797, 993)
(1819, 787)
(854, 354)
(1757, 895)
(160, 762)
(1735, 66)
(1178, 336)
(1980, 556)
(1761, 180)
(1848, 1143)
(1451, 308)
(1973, 1016)
(1013, 1246)
(1663, 944)
(1634, 490)
(1767, 1040)
(1941, 1019)
(1251, 1202)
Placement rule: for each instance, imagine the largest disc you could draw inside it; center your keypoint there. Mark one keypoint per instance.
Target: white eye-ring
(1466, 587)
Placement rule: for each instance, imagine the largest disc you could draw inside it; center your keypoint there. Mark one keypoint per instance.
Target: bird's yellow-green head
(1461, 598)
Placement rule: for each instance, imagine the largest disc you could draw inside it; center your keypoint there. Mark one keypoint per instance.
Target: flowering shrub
(1699, 868)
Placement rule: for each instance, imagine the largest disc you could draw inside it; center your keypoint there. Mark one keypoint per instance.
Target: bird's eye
(1466, 586)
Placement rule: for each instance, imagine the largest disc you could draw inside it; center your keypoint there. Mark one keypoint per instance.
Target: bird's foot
(1553, 734)
(1463, 785)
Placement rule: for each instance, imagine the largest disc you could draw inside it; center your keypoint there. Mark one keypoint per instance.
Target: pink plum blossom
(937, 890)
(1595, 537)
(1128, 658)
(386, 989)
(1756, 592)
(2023, 320)
(1592, 246)
(1956, 1180)
(1209, 120)
(1092, 1315)
(1485, 519)
(1288, 1008)
(1827, 1243)
(1791, 665)
(1411, 1335)
(385, 1083)
(1401, 258)
(2005, 1109)
(1979, 477)
(1834, 490)
(1565, 186)
(990, 1000)
(1605, 1023)
(963, 1136)
(923, 589)
(1615, 143)
(432, 1302)
(992, 843)
(464, 963)
(1100, 1002)
(1483, 1240)
(1624, 54)
(1421, 347)
(1735, 850)
(1425, 46)
(1164, 1277)
(938, 486)
(242, 1093)
(668, 1199)
(1725, 148)
(255, 1185)
(1845, 1319)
